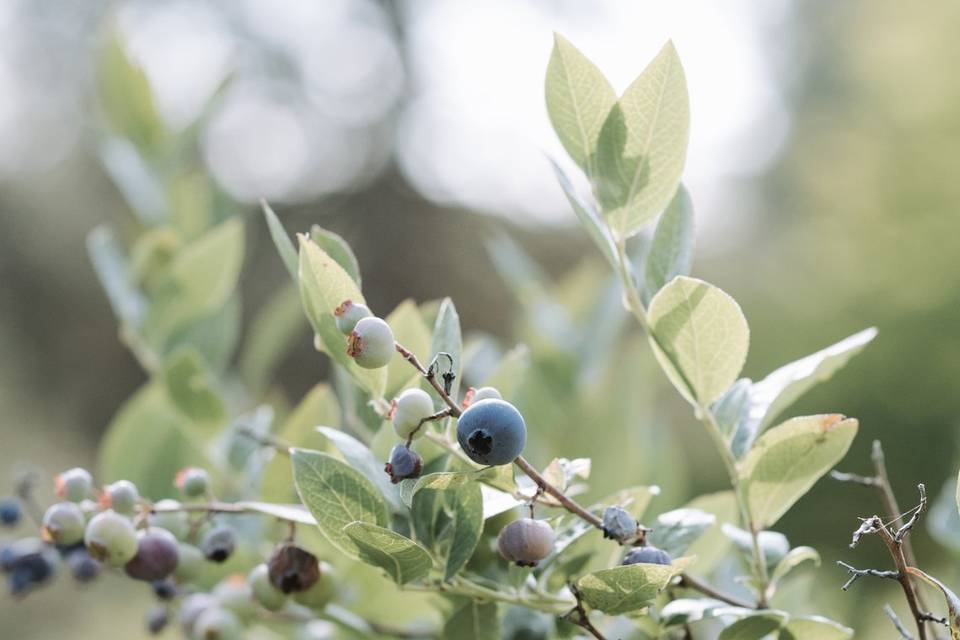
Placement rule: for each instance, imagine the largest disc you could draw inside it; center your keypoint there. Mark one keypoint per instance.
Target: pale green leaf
(685, 610)
(410, 331)
(336, 495)
(643, 145)
(953, 602)
(281, 240)
(579, 98)
(473, 620)
(770, 396)
(467, 525)
(338, 249)
(626, 588)
(755, 626)
(324, 285)
(671, 250)
(713, 545)
(272, 333)
(509, 374)
(214, 336)
(794, 558)
(674, 531)
(446, 339)
(701, 338)
(402, 558)
(788, 459)
(362, 459)
(110, 265)
(814, 628)
(191, 388)
(588, 216)
(292, 512)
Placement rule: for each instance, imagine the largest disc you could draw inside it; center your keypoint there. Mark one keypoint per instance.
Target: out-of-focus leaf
(671, 251)
(214, 336)
(787, 460)
(588, 216)
(685, 610)
(674, 531)
(814, 628)
(281, 240)
(770, 396)
(713, 544)
(704, 338)
(773, 545)
(338, 249)
(473, 620)
(446, 339)
(293, 512)
(324, 285)
(508, 376)
(410, 331)
(731, 408)
(794, 558)
(362, 459)
(273, 331)
(110, 265)
(191, 388)
(336, 495)
(579, 98)
(467, 525)
(402, 558)
(643, 145)
(135, 179)
(755, 626)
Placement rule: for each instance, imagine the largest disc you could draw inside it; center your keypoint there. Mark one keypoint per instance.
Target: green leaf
(643, 145)
(770, 396)
(362, 459)
(410, 331)
(713, 545)
(674, 531)
(147, 443)
(624, 589)
(671, 251)
(446, 339)
(703, 335)
(685, 610)
(200, 279)
(191, 388)
(281, 240)
(755, 626)
(214, 336)
(274, 330)
(773, 545)
(473, 620)
(110, 265)
(293, 512)
(324, 285)
(788, 459)
(318, 406)
(402, 558)
(338, 249)
(953, 603)
(336, 495)
(588, 216)
(467, 525)
(137, 181)
(509, 374)
(731, 409)
(792, 560)
(579, 98)
(814, 628)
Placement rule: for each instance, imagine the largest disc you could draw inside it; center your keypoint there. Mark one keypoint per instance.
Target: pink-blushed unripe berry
(404, 463)
(371, 343)
(157, 555)
(409, 409)
(122, 496)
(64, 524)
(269, 597)
(74, 484)
(193, 481)
(646, 555)
(491, 432)
(169, 515)
(191, 564)
(218, 544)
(218, 623)
(292, 569)
(348, 314)
(526, 541)
(476, 395)
(111, 538)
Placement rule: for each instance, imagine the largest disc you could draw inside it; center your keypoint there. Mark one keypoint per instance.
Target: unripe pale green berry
(64, 524)
(217, 623)
(176, 522)
(234, 593)
(646, 555)
(526, 541)
(191, 608)
(348, 314)
(409, 409)
(491, 432)
(111, 538)
(317, 630)
(191, 564)
(322, 591)
(193, 481)
(371, 343)
(269, 597)
(122, 496)
(157, 555)
(483, 393)
(74, 484)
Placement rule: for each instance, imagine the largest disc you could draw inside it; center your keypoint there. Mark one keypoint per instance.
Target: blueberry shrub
(396, 481)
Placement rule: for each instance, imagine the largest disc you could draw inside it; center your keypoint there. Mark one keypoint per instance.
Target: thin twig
(689, 582)
(856, 574)
(567, 503)
(265, 440)
(24, 486)
(917, 512)
(887, 609)
(578, 615)
(431, 378)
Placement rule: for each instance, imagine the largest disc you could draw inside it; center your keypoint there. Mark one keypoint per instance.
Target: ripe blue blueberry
(269, 597)
(30, 564)
(157, 619)
(218, 623)
(218, 544)
(492, 432)
(157, 555)
(371, 343)
(409, 409)
(165, 589)
(74, 484)
(403, 463)
(526, 541)
(193, 481)
(10, 512)
(292, 569)
(111, 538)
(83, 567)
(619, 525)
(122, 496)
(348, 314)
(64, 524)
(647, 555)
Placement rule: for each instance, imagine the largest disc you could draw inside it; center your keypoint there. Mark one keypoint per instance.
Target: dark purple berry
(647, 555)
(157, 554)
(293, 570)
(403, 463)
(10, 512)
(218, 544)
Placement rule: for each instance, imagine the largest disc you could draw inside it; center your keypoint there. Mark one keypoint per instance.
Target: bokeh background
(823, 166)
